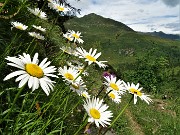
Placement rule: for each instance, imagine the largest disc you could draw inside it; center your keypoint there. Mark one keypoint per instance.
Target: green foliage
(136, 57)
(62, 112)
(149, 72)
(118, 43)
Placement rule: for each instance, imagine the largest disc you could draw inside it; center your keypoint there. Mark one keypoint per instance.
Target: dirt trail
(161, 105)
(136, 128)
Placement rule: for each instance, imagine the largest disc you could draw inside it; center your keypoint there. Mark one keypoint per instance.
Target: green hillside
(135, 56)
(132, 56)
(152, 61)
(118, 42)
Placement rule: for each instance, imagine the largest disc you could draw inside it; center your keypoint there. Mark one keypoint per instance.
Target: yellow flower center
(90, 58)
(134, 91)
(95, 113)
(112, 95)
(69, 38)
(75, 35)
(60, 8)
(84, 95)
(34, 70)
(80, 69)
(75, 86)
(69, 76)
(114, 86)
(19, 27)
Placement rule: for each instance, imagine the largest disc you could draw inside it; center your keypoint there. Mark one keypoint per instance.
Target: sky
(140, 15)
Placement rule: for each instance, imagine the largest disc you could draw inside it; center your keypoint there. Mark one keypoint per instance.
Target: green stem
(4, 5)
(100, 91)
(33, 48)
(30, 45)
(56, 58)
(85, 122)
(19, 116)
(119, 115)
(81, 71)
(17, 96)
(53, 24)
(107, 94)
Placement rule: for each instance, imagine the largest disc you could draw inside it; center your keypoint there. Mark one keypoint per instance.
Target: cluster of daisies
(37, 74)
(21, 26)
(71, 35)
(117, 87)
(53, 4)
(37, 12)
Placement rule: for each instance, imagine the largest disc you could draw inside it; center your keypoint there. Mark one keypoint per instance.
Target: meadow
(53, 83)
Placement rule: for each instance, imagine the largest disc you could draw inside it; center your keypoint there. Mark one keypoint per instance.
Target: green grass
(62, 111)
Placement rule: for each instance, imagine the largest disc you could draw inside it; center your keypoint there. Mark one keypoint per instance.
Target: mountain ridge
(118, 43)
(164, 35)
(93, 16)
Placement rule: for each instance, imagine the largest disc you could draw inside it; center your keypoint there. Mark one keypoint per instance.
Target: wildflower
(97, 111)
(38, 12)
(31, 72)
(136, 91)
(90, 57)
(57, 6)
(76, 36)
(79, 66)
(19, 25)
(68, 50)
(69, 74)
(36, 35)
(68, 36)
(78, 87)
(85, 94)
(50, 0)
(39, 28)
(107, 74)
(114, 96)
(114, 84)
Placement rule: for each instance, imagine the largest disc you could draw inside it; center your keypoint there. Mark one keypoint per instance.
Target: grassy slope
(117, 41)
(121, 45)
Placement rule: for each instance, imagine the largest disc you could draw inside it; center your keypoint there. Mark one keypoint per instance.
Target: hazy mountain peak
(93, 19)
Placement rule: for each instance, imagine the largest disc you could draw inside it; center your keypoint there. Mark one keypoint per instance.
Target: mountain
(118, 43)
(164, 35)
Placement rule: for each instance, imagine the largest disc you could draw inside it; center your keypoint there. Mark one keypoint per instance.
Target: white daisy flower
(32, 73)
(39, 28)
(68, 50)
(50, 0)
(36, 35)
(69, 74)
(19, 25)
(38, 12)
(114, 96)
(136, 91)
(90, 57)
(114, 84)
(58, 7)
(78, 87)
(79, 66)
(68, 36)
(76, 36)
(97, 111)
(85, 94)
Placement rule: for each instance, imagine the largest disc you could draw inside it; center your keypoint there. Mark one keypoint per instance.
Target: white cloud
(137, 14)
